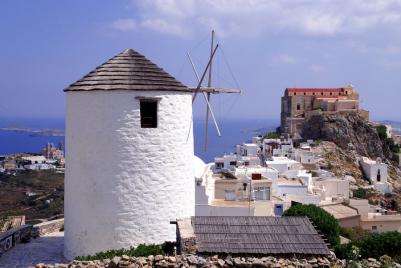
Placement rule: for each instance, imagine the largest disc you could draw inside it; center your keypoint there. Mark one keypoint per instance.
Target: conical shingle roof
(129, 70)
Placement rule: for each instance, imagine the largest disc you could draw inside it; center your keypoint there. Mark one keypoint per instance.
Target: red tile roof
(315, 89)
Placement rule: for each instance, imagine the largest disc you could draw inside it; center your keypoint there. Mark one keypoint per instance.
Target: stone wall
(203, 261)
(186, 238)
(47, 227)
(14, 236)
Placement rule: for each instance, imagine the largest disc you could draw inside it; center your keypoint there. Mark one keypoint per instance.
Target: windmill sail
(207, 91)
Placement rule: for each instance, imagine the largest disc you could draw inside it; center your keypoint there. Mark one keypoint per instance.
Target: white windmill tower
(129, 152)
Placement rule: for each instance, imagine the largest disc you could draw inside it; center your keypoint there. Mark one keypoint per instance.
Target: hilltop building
(130, 155)
(298, 104)
(53, 152)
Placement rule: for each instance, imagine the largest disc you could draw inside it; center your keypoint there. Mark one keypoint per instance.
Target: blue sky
(266, 45)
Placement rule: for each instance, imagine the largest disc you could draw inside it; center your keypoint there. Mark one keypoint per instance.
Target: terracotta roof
(257, 235)
(315, 89)
(129, 70)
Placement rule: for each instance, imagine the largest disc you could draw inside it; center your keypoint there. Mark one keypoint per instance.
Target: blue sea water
(233, 131)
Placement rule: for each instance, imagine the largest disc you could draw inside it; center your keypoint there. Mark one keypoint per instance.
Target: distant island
(36, 131)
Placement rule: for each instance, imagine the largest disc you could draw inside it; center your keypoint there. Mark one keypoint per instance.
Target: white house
(246, 193)
(283, 164)
(376, 172)
(35, 159)
(247, 149)
(246, 155)
(130, 151)
(331, 189)
(277, 147)
(303, 154)
(226, 162)
(375, 219)
(39, 166)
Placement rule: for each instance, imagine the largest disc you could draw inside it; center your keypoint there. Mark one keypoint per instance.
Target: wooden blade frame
(209, 106)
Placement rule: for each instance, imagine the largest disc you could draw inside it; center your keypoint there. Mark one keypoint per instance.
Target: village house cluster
(268, 175)
(50, 158)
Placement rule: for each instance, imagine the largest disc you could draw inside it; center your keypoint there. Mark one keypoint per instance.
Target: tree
(325, 222)
(376, 245)
(360, 193)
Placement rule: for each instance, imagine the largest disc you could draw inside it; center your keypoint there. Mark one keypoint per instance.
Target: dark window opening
(295, 93)
(331, 93)
(304, 93)
(233, 163)
(378, 175)
(298, 107)
(148, 113)
(322, 93)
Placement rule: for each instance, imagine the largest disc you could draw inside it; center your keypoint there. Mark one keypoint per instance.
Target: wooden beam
(215, 90)
(148, 98)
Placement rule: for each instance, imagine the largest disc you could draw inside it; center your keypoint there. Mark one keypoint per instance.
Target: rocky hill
(342, 140)
(349, 132)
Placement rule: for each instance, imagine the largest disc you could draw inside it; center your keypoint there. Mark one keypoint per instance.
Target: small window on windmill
(148, 113)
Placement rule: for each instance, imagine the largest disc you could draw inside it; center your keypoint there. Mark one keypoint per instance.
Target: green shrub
(360, 193)
(347, 251)
(141, 250)
(386, 261)
(344, 232)
(377, 245)
(325, 222)
(388, 195)
(354, 233)
(272, 135)
(382, 132)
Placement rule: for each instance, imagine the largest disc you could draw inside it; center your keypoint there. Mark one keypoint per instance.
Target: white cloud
(377, 49)
(164, 27)
(255, 17)
(316, 68)
(284, 59)
(392, 64)
(124, 24)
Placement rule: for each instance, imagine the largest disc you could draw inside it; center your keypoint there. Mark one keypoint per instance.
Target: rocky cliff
(348, 131)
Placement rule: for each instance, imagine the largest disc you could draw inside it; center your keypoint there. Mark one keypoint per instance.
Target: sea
(234, 131)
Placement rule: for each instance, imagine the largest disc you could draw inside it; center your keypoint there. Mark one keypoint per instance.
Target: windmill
(208, 90)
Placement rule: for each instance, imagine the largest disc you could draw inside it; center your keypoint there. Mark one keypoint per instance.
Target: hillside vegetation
(47, 200)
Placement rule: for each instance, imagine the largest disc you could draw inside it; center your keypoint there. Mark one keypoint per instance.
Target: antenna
(207, 91)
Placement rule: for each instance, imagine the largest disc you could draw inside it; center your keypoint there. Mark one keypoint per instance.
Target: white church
(130, 156)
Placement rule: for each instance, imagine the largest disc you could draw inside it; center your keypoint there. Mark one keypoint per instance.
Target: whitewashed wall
(124, 183)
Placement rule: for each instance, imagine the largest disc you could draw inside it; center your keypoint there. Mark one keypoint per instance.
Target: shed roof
(339, 211)
(257, 235)
(129, 70)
